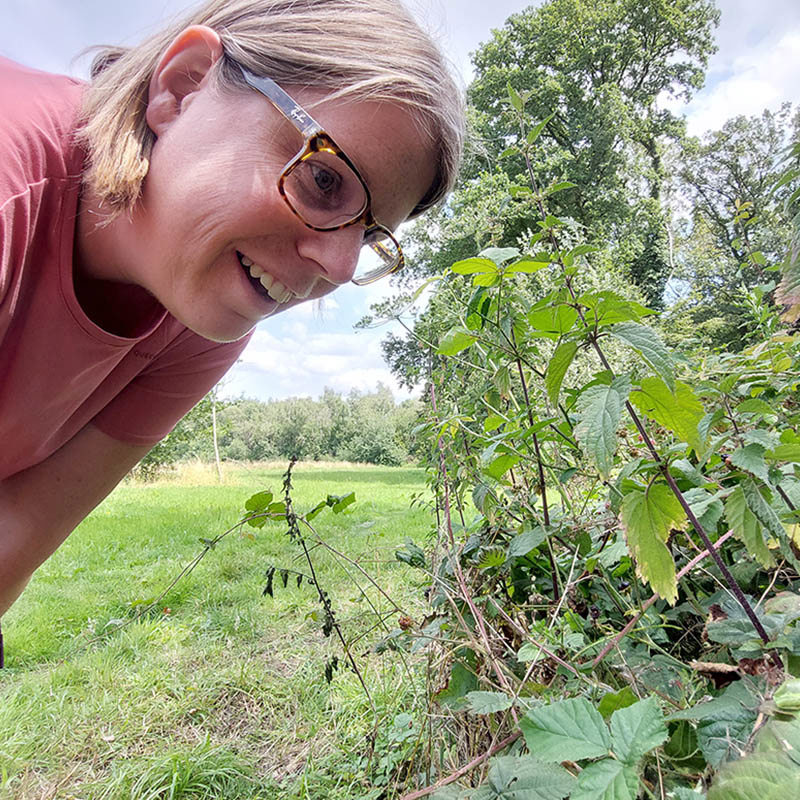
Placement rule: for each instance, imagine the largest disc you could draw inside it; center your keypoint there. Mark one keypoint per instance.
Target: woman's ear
(183, 68)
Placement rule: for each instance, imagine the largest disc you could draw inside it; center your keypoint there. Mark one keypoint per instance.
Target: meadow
(216, 690)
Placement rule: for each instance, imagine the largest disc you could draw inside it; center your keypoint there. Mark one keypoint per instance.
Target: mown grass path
(218, 692)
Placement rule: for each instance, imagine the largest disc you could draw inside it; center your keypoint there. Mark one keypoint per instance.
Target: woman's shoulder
(40, 112)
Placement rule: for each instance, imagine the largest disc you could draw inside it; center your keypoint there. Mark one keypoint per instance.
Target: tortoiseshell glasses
(322, 186)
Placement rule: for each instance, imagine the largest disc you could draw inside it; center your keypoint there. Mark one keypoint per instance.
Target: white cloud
(759, 77)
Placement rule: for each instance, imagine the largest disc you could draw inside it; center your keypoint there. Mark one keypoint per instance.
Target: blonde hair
(359, 49)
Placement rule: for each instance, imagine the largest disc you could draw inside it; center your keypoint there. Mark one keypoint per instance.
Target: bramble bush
(612, 575)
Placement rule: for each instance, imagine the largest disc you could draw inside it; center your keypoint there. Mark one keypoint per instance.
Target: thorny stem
(647, 603)
(729, 579)
(540, 465)
(294, 533)
(476, 762)
(476, 614)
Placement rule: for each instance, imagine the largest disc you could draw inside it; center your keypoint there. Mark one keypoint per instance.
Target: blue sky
(308, 348)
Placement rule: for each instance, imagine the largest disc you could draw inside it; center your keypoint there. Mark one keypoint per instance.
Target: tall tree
(600, 68)
(728, 173)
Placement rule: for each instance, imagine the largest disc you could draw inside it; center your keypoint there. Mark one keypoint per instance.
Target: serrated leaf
(755, 405)
(648, 518)
(750, 458)
(499, 255)
(600, 408)
(648, 344)
(612, 701)
(502, 464)
(746, 527)
(488, 702)
(760, 776)
(568, 729)
(524, 778)
(706, 507)
(637, 729)
(455, 340)
(524, 542)
(679, 412)
(607, 780)
(526, 265)
(471, 266)
(784, 452)
(557, 368)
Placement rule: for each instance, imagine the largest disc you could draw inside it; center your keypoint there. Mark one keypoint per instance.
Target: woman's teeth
(274, 288)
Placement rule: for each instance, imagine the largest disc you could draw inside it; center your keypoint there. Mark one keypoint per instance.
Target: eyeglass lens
(324, 190)
(378, 256)
(326, 193)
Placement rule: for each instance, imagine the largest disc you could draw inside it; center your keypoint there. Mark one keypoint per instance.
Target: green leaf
(462, 682)
(341, 502)
(499, 255)
(524, 542)
(558, 187)
(746, 527)
(470, 266)
(502, 464)
(607, 780)
(769, 519)
(493, 422)
(568, 729)
(455, 340)
(600, 408)
(526, 265)
(648, 344)
(679, 412)
(761, 776)
(557, 319)
(488, 702)
(557, 368)
(258, 502)
(612, 701)
(536, 131)
(750, 458)
(648, 518)
(514, 98)
(754, 405)
(524, 778)
(412, 555)
(784, 452)
(637, 729)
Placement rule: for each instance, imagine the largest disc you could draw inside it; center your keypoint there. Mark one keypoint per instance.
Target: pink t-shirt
(58, 369)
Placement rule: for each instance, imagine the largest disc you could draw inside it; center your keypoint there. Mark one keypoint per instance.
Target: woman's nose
(336, 252)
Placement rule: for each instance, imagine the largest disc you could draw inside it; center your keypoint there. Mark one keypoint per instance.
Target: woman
(249, 158)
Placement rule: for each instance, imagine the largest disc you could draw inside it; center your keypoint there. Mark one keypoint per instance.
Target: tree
(592, 71)
(596, 70)
(728, 173)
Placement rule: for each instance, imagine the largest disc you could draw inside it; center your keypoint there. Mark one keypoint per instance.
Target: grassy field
(217, 692)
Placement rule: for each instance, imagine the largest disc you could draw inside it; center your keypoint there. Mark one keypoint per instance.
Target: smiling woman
(248, 158)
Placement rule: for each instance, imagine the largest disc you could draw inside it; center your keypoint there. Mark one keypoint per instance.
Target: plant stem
(476, 762)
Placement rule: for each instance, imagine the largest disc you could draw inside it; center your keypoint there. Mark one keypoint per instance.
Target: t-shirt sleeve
(149, 407)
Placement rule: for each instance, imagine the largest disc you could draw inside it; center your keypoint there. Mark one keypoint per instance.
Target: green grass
(218, 692)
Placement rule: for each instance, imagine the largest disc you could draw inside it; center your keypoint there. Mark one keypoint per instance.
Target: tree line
(362, 427)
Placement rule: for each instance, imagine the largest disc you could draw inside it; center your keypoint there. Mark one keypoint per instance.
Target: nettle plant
(617, 527)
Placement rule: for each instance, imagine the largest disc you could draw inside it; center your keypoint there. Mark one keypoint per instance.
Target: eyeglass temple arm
(306, 124)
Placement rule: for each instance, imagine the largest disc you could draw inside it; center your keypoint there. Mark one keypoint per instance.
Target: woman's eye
(326, 180)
